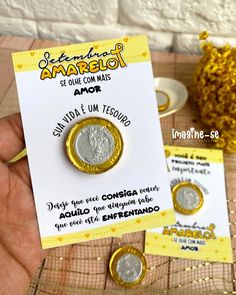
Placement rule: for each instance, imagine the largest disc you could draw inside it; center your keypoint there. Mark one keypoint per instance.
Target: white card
(204, 234)
(74, 206)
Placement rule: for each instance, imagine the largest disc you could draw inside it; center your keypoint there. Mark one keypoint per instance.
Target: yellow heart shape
(163, 214)
(87, 236)
(138, 220)
(126, 39)
(19, 66)
(32, 53)
(144, 54)
(113, 229)
(60, 239)
(95, 46)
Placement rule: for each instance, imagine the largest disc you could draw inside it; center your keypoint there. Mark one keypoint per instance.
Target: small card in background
(205, 234)
(61, 86)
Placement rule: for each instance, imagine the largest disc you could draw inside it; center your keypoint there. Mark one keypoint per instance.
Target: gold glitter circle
(78, 162)
(116, 256)
(165, 105)
(181, 209)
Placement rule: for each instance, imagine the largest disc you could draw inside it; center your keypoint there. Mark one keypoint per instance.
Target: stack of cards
(97, 159)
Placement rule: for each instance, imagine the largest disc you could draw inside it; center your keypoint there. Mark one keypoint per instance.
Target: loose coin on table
(187, 198)
(94, 145)
(163, 100)
(128, 266)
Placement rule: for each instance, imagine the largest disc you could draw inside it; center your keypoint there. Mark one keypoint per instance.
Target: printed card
(198, 190)
(93, 140)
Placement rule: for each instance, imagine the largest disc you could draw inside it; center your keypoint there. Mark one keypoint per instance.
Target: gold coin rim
(115, 258)
(164, 106)
(180, 209)
(78, 162)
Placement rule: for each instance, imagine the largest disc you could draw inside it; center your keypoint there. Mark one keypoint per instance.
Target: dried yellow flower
(215, 80)
(203, 35)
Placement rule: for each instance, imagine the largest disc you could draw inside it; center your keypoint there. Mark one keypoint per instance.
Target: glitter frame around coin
(94, 168)
(164, 106)
(180, 209)
(113, 264)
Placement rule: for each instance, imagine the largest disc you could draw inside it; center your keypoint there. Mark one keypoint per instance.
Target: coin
(187, 197)
(163, 100)
(128, 266)
(94, 145)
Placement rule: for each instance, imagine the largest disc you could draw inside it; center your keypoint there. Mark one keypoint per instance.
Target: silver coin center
(94, 144)
(162, 98)
(129, 267)
(187, 198)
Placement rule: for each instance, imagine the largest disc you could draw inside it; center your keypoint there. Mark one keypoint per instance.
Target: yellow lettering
(112, 63)
(213, 235)
(58, 69)
(93, 66)
(188, 233)
(117, 51)
(195, 234)
(165, 231)
(174, 231)
(71, 70)
(207, 235)
(45, 74)
(211, 227)
(181, 232)
(101, 65)
(83, 67)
